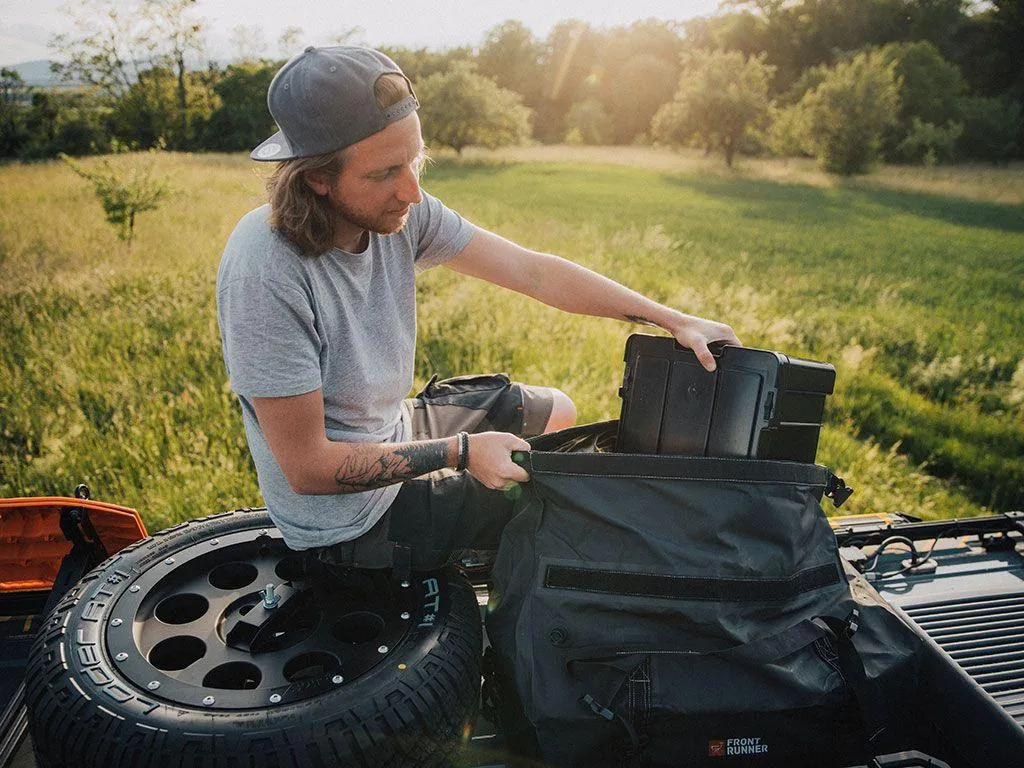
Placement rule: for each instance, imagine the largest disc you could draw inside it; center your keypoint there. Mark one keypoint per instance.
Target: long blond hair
(296, 211)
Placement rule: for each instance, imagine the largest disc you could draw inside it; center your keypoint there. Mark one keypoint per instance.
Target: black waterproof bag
(677, 610)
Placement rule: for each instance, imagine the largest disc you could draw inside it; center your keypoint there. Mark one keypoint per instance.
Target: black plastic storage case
(757, 404)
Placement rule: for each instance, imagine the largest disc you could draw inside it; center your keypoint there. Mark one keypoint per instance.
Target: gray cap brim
(274, 148)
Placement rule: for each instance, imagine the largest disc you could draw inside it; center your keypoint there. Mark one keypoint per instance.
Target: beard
(382, 222)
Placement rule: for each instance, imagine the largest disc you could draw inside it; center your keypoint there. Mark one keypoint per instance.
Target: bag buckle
(837, 490)
(597, 708)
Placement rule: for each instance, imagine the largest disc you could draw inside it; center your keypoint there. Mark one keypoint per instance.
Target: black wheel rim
(168, 632)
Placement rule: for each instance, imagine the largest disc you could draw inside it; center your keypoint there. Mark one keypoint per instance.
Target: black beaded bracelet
(463, 460)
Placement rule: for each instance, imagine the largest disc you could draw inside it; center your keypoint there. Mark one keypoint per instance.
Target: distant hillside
(37, 74)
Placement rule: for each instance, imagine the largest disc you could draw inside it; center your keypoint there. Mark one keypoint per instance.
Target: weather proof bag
(675, 610)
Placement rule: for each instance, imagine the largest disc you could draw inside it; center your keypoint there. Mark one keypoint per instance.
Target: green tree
(511, 56)
(745, 32)
(991, 129)
(938, 22)
(76, 123)
(636, 71)
(639, 87)
(420, 63)
(461, 107)
(721, 96)
(844, 118)
(242, 119)
(123, 192)
(111, 44)
(989, 53)
(173, 23)
(931, 87)
(990, 48)
(930, 93)
(803, 33)
(149, 113)
(571, 55)
(14, 94)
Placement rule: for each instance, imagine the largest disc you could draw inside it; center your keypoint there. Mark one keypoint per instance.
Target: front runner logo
(730, 747)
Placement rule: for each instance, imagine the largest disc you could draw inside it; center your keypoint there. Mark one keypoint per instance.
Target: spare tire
(172, 652)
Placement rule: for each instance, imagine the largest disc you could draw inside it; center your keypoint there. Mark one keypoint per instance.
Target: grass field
(910, 281)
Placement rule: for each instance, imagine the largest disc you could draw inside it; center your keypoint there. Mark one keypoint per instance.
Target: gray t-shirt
(341, 322)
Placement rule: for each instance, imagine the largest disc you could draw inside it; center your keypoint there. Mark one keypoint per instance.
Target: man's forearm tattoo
(642, 320)
(367, 468)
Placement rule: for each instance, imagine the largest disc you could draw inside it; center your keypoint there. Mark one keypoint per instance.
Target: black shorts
(446, 511)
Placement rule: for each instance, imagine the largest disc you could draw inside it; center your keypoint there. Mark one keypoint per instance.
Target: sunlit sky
(26, 25)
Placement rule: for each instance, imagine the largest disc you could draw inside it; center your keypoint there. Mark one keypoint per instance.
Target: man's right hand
(490, 459)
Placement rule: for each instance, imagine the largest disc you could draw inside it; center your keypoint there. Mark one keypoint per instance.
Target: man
(316, 303)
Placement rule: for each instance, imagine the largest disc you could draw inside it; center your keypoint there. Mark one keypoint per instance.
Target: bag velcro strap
(630, 584)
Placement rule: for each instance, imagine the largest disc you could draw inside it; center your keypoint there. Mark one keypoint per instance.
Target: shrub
(784, 136)
(843, 119)
(124, 193)
(929, 144)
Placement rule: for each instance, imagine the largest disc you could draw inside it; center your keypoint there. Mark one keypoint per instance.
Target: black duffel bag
(673, 611)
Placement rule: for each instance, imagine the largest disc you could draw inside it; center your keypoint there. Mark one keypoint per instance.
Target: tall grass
(110, 367)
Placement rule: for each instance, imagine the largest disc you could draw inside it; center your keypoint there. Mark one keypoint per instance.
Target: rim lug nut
(270, 598)
(214, 542)
(405, 614)
(116, 623)
(382, 649)
(122, 656)
(169, 561)
(405, 584)
(209, 700)
(276, 698)
(337, 679)
(134, 588)
(153, 685)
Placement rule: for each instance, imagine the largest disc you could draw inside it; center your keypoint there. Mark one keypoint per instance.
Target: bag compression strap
(851, 666)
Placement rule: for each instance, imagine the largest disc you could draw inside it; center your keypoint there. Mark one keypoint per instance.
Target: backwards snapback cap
(322, 100)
